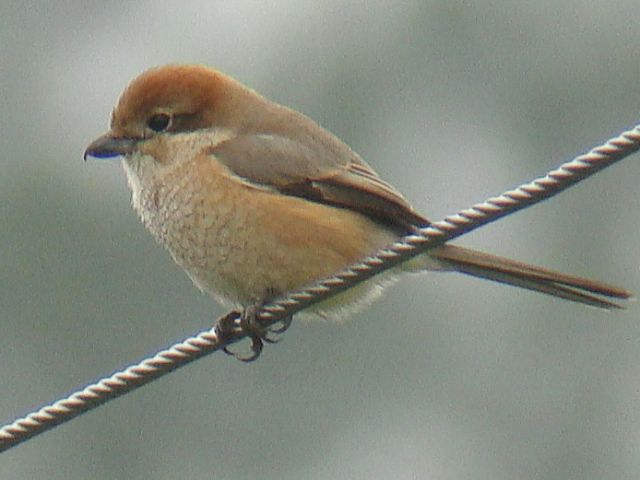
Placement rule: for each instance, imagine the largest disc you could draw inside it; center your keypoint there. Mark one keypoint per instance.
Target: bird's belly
(242, 244)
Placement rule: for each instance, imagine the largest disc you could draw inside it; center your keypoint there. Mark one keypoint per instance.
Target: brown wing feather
(316, 173)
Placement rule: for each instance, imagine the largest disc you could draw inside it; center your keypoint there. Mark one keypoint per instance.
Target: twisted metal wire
(423, 239)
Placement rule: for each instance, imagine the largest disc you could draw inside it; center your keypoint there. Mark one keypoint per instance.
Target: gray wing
(330, 174)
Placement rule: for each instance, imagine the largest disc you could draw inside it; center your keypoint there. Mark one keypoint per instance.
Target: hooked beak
(108, 146)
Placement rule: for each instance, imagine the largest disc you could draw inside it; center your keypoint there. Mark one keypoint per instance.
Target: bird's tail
(503, 270)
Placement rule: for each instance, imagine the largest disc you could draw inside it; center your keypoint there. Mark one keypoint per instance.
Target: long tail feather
(503, 270)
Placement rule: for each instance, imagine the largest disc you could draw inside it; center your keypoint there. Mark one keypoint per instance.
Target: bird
(254, 199)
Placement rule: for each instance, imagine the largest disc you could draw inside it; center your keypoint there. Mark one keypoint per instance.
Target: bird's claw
(256, 349)
(248, 322)
(277, 332)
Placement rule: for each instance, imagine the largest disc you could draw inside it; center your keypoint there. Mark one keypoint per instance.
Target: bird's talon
(247, 322)
(244, 322)
(256, 349)
(274, 334)
(285, 323)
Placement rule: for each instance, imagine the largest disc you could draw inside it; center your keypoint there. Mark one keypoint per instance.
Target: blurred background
(447, 377)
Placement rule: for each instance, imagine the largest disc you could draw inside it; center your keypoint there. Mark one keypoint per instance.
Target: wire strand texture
(409, 246)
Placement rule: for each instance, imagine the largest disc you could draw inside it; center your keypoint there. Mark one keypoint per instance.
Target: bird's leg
(248, 322)
(235, 323)
(229, 326)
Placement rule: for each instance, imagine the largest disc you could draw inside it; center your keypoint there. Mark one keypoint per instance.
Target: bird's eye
(159, 122)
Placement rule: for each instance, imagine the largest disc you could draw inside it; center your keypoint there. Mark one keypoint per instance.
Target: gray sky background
(447, 377)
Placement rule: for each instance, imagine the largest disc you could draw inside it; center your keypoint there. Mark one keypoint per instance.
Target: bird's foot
(248, 322)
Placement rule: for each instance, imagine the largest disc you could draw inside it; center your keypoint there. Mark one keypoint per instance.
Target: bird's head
(170, 100)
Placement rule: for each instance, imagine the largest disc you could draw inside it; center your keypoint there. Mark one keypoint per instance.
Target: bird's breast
(241, 243)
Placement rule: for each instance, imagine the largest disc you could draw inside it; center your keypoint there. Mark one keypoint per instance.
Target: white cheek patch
(141, 171)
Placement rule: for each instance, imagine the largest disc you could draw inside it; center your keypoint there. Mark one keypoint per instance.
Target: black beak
(108, 146)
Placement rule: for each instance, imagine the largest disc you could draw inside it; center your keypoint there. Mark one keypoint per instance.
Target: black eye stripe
(159, 122)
